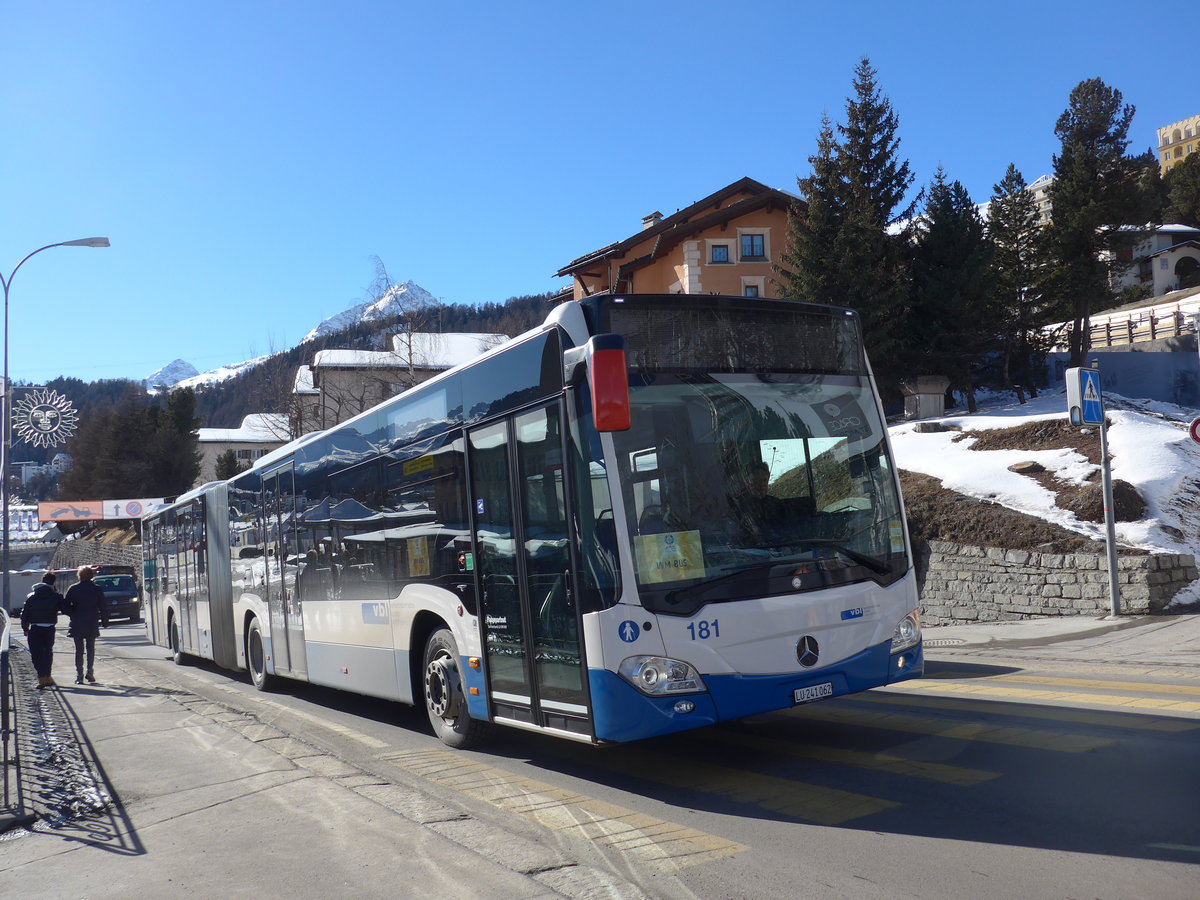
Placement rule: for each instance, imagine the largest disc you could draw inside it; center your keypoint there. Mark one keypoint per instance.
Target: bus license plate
(812, 692)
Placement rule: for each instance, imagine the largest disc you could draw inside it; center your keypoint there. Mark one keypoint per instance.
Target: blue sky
(248, 159)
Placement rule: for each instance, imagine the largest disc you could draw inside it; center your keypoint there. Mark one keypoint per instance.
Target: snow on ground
(1148, 442)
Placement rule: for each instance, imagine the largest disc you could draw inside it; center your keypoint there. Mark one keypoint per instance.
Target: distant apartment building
(1176, 142)
(1040, 191)
(30, 470)
(727, 243)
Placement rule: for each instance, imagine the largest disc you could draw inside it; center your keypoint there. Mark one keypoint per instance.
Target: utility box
(924, 396)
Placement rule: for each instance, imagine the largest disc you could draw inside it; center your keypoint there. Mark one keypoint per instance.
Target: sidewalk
(1135, 640)
(141, 788)
(144, 790)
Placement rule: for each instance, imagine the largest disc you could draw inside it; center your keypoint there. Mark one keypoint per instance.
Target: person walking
(39, 616)
(84, 603)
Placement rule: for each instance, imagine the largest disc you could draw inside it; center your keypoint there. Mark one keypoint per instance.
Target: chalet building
(1162, 259)
(258, 435)
(727, 243)
(340, 384)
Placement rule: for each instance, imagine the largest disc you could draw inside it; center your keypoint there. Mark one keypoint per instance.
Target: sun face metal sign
(44, 418)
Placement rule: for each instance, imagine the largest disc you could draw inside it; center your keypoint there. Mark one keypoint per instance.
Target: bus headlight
(658, 676)
(908, 632)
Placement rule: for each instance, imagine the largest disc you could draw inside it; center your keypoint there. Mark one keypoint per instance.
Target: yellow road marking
(366, 740)
(982, 688)
(1147, 687)
(1053, 713)
(1185, 847)
(662, 845)
(798, 799)
(880, 762)
(967, 731)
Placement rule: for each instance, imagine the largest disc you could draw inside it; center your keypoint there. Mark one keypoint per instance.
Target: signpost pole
(1085, 406)
(1110, 529)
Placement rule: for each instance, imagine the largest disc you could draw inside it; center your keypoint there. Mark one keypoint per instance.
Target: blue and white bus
(651, 513)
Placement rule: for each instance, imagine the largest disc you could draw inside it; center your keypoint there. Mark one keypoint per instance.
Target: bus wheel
(256, 658)
(177, 655)
(444, 699)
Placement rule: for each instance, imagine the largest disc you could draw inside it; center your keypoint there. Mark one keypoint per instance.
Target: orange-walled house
(727, 243)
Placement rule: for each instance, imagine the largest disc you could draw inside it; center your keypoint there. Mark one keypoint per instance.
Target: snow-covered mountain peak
(397, 299)
(171, 374)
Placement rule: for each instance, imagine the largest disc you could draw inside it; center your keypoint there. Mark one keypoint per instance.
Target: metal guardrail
(6, 712)
(1149, 323)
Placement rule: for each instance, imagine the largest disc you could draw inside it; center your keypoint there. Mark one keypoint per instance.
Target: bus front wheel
(444, 698)
(256, 658)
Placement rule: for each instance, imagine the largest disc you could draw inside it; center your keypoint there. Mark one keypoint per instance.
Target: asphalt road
(993, 776)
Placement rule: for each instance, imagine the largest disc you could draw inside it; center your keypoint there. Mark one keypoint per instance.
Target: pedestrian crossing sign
(1085, 400)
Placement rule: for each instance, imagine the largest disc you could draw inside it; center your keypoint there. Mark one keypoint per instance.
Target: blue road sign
(1092, 404)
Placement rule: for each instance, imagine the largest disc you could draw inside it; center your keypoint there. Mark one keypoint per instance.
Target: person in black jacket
(38, 618)
(85, 605)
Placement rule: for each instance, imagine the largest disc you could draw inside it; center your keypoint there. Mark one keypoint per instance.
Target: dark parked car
(121, 595)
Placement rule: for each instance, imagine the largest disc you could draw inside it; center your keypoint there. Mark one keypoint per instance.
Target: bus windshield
(740, 485)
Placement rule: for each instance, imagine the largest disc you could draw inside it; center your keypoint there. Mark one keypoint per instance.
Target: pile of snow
(1147, 440)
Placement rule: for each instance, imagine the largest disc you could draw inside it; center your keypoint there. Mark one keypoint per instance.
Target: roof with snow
(356, 359)
(304, 381)
(256, 428)
(422, 350)
(434, 350)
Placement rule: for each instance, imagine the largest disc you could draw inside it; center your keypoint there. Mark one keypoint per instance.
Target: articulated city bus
(652, 513)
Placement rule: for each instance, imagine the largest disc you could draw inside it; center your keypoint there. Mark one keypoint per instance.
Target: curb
(995, 639)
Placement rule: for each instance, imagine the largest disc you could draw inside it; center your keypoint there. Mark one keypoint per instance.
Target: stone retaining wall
(72, 554)
(961, 583)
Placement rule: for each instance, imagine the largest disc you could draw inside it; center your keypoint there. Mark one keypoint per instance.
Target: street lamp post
(6, 425)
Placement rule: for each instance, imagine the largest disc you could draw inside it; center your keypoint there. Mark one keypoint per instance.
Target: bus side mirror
(602, 361)
(609, 381)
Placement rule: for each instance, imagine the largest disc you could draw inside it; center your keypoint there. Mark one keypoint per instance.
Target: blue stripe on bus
(624, 713)
(477, 704)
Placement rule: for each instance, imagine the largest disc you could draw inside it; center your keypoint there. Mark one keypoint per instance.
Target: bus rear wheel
(444, 698)
(177, 655)
(256, 658)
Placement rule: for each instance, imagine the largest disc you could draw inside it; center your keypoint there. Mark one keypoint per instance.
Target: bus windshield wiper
(682, 593)
(872, 563)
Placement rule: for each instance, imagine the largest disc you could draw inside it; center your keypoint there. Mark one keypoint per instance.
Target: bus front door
(522, 538)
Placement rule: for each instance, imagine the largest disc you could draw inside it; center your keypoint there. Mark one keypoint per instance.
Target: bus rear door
(282, 563)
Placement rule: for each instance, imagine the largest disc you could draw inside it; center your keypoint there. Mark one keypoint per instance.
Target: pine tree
(950, 323)
(809, 271)
(1021, 263)
(1093, 191)
(175, 454)
(227, 465)
(844, 245)
(1183, 193)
